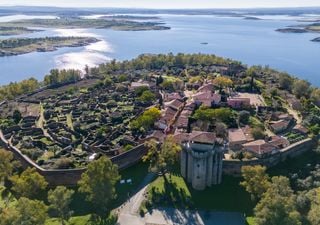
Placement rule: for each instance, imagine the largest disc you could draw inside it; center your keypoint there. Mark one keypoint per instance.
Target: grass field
(250, 221)
(227, 196)
(77, 220)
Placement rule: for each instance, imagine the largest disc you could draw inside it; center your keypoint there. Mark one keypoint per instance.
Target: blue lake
(254, 42)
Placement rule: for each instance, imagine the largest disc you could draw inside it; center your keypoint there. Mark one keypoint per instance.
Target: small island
(8, 31)
(316, 39)
(73, 23)
(251, 18)
(292, 30)
(308, 28)
(19, 46)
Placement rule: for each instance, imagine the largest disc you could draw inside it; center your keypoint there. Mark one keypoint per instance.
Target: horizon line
(148, 8)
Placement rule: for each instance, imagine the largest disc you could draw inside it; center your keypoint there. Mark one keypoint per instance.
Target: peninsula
(73, 23)
(8, 31)
(313, 27)
(18, 46)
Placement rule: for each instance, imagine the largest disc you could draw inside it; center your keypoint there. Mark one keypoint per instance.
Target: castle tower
(201, 164)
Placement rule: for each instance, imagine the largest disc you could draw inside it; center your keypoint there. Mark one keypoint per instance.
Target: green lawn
(250, 221)
(228, 196)
(77, 220)
(82, 220)
(136, 173)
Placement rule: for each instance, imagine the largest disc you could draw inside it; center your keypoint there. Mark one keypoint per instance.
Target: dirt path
(295, 114)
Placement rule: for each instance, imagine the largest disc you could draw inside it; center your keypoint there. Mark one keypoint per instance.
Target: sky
(165, 4)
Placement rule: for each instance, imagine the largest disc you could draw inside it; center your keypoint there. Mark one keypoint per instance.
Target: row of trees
(277, 202)
(160, 61)
(58, 77)
(15, 89)
(30, 190)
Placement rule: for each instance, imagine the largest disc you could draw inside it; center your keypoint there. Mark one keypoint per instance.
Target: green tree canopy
(314, 213)
(146, 120)
(163, 156)
(315, 96)
(147, 96)
(15, 89)
(25, 212)
(301, 88)
(277, 205)
(29, 184)
(285, 81)
(98, 183)
(258, 133)
(205, 114)
(60, 199)
(6, 164)
(222, 82)
(255, 180)
(57, 77)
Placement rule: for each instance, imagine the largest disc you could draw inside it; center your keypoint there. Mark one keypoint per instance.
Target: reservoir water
(254, 42)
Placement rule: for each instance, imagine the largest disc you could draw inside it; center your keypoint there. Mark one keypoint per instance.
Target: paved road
(128, 212)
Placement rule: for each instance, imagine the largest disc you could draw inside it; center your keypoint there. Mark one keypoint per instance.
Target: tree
(29, 184)
(60, 199)
(222, 82)
(301, 88)
(162, 157)
(98, 183)
(221, 129)
(6, 164)
(224, 115)
(285, 81)
(168, 85)
(315, 96)
(277, 205)
(244, 117)
(251, 72)
(147, 96)
(25, 212)
(122, 78)
(86, 70)
(108, 82)
(256, 181)
(146, 120)
(257, 133)
(16, 116)
(12, 90)
(314, 213)
(139, 90)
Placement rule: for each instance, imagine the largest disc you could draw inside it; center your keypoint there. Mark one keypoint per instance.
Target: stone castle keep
(201, 164)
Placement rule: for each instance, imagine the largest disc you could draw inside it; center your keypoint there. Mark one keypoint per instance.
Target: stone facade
(201, 164)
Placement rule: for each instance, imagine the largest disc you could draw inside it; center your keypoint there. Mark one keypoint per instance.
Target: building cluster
(202, 151)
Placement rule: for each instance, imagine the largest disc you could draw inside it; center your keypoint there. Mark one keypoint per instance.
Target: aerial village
(216, 107)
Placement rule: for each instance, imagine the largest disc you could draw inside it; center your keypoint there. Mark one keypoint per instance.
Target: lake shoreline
(42, 44)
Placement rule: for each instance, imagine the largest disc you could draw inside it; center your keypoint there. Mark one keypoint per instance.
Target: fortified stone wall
(70, 177)
(233, 167)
